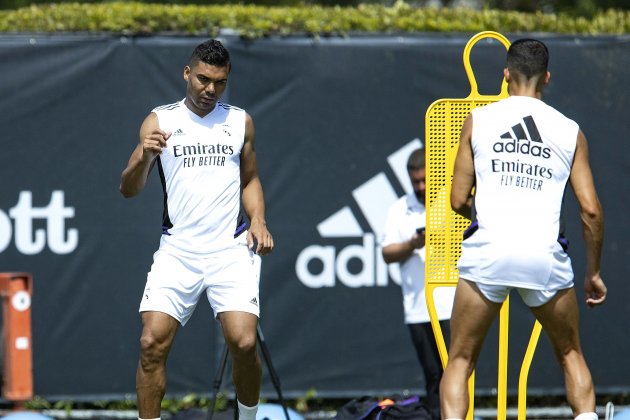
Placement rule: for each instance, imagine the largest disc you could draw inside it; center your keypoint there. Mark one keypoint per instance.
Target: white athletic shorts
(531, 297)
(229, 278)
(498, 268)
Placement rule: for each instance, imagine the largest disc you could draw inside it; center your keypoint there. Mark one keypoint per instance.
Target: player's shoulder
(229, 108)
(483, 112)
(494, 104)
(552, 111)
(168, 107)
(233, 114)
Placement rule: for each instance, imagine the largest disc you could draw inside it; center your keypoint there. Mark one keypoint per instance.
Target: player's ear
(547, 77)
(506, 74)
(186, 73)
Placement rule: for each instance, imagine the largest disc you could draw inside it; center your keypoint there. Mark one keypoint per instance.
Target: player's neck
(525, 91)
(530, 89)
(201, 113)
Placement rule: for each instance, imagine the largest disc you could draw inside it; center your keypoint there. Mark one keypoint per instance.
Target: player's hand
(153, 143)
(259, 239)
(595, 290)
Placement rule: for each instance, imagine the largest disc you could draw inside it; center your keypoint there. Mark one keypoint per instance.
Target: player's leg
(239, 330)
(472, 316)
(158, 332)
(173, 287)
(560, 319)
(234, 296)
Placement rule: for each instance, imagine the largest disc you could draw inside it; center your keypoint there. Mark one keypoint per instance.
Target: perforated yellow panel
(444, 227)
(444, 120)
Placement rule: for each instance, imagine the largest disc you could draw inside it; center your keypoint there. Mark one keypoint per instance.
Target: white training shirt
(405, 216)
(200, 174)
(523, 152)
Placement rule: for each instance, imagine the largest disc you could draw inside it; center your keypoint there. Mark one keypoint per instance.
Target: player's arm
(253, 198)
(463, 173)
(592, 216)
(152, 140)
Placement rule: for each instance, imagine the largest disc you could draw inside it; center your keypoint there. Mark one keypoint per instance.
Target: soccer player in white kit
(204, 151)
(518, 154)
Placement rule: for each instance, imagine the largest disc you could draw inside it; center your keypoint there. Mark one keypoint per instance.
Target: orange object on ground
(16, 291)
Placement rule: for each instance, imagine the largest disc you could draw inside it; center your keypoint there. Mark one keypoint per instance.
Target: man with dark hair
(204, 150)
(404, 243)
(211, 52)
(519, 154)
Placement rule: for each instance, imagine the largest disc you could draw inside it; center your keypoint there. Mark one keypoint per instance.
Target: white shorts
(496, 268)
(229, 278)
(531, 297)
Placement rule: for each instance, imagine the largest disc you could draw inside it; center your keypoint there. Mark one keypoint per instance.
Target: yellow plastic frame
(444, 228)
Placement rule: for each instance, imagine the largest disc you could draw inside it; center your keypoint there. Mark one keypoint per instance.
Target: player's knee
(463, 354)
(243, 346)
(152, 352)
(462, 365)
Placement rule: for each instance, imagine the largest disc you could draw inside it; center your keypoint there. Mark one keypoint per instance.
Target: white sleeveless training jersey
(200, 174)
(523, 152)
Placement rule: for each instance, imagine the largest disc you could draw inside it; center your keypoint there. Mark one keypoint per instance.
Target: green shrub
(252, 21)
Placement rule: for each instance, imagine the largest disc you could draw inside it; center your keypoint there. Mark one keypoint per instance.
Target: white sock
(587, 416)
(249, 413)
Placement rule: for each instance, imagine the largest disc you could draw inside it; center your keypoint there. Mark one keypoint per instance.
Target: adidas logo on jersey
(523, 138)
(254, 301)
(178, 132)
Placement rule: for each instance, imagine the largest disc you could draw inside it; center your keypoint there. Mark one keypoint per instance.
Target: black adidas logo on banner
(520, 131)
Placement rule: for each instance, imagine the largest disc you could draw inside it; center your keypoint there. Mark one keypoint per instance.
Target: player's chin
(206, 103)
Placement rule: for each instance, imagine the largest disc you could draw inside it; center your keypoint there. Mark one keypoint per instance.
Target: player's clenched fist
(154, 142)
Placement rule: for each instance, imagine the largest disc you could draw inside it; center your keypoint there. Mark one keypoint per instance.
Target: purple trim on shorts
(240, 229)
(471, 229)
(564, 242)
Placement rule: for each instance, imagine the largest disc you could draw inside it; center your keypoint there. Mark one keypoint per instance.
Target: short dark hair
(416, 160)
(528, 57)
(211, 52)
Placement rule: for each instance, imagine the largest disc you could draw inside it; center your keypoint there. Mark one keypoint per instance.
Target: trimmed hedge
(258, 21)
